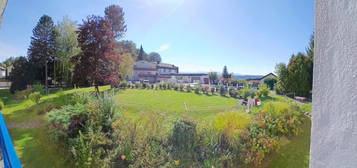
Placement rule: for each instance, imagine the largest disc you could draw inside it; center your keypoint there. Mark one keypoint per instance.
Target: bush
(232, 123)
(246, 92)
(39, 88)
(222, 91)
(197, 89)
(35, 97)
(1, 104)
(263, 91)
(256, 145)
(182, 87)
(176, 87)
(188, 88)
(280, 118)
(23, 94)
(183, 140)
(205, 89)
(123, 85)
(140, 142)
(67, 121)
(144, 85)
(233, 93)
(213, 90)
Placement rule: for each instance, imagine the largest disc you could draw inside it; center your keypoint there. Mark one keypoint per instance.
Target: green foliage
(182, 87)
(154, 57)
(35, 97)
(197, 89)
(213, 90)
(20, 75)
(245, 92)
(1, 104)
(188, 88)
(183, 139)
(38, 87)
(231, 124)
(42, 48)
(67, 121)
(213, 77)
(270, 81)
(66, 47)
(282, 85)
(222, 91)
(123, 85)
(280, 118)
(233, 93)
(140, 142)
(205, 89)
(86, 152)
(23, 94)
(263, 91)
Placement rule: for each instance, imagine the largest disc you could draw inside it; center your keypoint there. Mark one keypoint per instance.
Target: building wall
(2, 74)
(262, 80)
(334, 126)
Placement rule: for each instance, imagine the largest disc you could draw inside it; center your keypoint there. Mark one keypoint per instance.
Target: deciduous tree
(213, 77)
(7, 64)
(21, 74)
(98, 63)
(66, 48)
(114, 14)
(154, 57)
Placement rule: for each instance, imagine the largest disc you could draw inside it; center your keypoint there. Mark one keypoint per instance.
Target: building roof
(262, 77)
(164, 65)
(190, 74)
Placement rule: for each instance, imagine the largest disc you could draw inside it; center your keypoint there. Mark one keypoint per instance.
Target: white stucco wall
(334, 130)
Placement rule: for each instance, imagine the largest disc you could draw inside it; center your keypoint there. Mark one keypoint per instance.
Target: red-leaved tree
(98, 63)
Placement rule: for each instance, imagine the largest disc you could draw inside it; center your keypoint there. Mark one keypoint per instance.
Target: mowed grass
(174, 104)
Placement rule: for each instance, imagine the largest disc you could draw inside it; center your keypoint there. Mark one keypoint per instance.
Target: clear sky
(249, 36)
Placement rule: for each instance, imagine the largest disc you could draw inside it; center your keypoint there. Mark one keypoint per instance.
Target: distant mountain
(244, 77)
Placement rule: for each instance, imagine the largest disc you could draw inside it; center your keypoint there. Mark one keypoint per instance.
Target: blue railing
(7, 148)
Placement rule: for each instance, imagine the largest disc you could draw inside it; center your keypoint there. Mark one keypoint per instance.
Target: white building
(152, 72)
(2, 73)
(256, 82)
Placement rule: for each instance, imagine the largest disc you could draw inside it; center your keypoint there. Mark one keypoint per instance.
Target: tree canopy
(154, 57)
(42, 48)
(66, 48)
(98, 63)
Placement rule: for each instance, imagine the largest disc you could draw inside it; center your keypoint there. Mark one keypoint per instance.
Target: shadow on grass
(35, 148)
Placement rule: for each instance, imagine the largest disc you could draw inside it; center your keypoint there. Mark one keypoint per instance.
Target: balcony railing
(9, 157)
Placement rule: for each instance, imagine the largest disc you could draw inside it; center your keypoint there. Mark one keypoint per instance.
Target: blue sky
(249, 36)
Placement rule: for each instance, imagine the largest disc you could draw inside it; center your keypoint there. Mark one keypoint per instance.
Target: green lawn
(36, 149)
(175, 104)
(33, 145)
(294, 151)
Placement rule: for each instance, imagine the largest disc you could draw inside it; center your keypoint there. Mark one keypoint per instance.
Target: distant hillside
(244, 77)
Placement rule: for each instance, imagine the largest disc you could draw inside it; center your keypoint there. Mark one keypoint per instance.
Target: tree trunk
(96, 89)
(46, 78)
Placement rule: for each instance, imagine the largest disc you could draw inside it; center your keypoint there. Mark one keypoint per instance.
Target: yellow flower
(177, 162)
